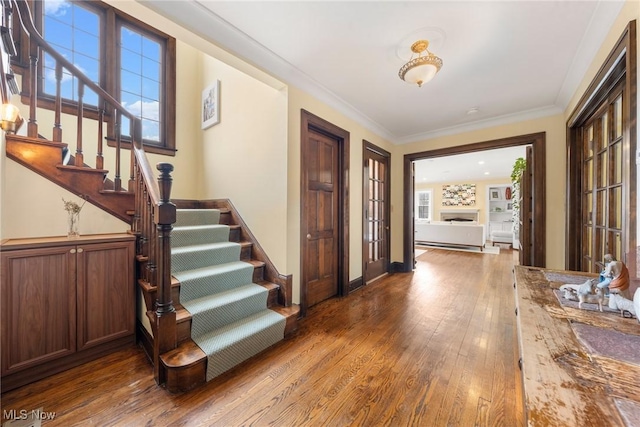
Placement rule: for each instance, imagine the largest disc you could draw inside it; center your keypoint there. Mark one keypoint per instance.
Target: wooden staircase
(185, 366)
(47, 159)
(145, 204)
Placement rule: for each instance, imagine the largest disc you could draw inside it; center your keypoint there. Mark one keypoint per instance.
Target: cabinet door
(106, 299)
(38, 306)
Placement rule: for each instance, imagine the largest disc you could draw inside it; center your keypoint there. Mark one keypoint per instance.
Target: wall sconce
(9, 118)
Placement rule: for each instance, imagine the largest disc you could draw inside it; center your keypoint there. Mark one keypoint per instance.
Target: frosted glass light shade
(421, 69)
(420, 73)
(8, 117)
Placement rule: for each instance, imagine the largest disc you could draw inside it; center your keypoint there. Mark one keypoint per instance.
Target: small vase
(73, 223)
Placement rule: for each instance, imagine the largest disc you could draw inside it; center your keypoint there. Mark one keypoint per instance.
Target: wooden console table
(564, 384)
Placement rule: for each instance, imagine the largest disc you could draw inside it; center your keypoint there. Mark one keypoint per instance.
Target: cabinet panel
(106, 298)
(38, 306)
(64, 302)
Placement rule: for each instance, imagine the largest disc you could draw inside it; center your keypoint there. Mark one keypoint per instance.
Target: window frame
(418, 205)
(111, 21)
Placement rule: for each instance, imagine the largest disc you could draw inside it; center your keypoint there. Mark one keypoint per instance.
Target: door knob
(308, 236)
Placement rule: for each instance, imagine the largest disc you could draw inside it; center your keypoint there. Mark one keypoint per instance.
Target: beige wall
(300, 100)
(245, 155)
(260, 123)
(629, 12)
(482, 187)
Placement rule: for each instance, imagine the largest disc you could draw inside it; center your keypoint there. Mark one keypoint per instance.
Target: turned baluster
(57, 128)
(79, 155)
(136, 141)
(117, 181)
(32, 126)
(99, 157)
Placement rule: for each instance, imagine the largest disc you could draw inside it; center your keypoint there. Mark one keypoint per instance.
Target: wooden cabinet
(64, 302)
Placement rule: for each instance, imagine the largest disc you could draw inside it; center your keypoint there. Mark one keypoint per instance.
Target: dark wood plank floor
(436, 347)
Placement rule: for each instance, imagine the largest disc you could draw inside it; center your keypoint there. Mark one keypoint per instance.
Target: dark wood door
(321, 222)
(376, 212)
(527, 202)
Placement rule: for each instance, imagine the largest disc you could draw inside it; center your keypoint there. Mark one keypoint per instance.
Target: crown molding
(601, 22)
(506, 119)
(196, 17)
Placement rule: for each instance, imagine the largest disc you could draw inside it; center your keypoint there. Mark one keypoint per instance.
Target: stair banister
(37, 41)
(154, 212)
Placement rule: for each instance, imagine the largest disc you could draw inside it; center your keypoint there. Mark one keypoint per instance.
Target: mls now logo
(25, 418)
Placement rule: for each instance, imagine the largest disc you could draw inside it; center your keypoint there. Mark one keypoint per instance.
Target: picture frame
(494, 194)
(509, 206)
(210, 107)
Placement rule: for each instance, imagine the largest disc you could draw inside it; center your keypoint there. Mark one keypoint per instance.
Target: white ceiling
(471, 167)
(512, 60)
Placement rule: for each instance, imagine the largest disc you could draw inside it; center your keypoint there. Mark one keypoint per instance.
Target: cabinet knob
(80, 250)
(73, 251)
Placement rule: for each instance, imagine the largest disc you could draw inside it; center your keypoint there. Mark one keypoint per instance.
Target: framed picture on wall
(494, 194)
(211, 105)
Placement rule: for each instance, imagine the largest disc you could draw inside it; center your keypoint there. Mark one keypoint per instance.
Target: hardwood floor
(436, 347)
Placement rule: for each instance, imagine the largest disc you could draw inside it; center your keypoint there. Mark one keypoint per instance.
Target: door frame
(537, 142)
(620, 64)
(368, 146)
(311, 122)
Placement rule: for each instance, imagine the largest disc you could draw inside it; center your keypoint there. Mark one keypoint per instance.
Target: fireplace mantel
(462, 214)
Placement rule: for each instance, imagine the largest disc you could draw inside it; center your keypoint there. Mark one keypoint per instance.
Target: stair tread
(199, 227)
(183, 314)
(36, 140)
(82, 169)
(202, 247)
(187, 353)
(211, 269)
(230, 334)
(222, 298)
(148, 287)
(121, 192)
(287, 312)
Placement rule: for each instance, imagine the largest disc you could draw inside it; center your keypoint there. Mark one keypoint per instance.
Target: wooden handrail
(154, 212)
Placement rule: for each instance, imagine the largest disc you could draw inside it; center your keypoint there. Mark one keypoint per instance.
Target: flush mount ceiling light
(422, 68)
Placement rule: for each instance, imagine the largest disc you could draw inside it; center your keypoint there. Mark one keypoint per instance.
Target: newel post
(165, 334)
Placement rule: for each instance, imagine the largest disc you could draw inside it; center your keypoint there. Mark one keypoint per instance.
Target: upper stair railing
(154, 212)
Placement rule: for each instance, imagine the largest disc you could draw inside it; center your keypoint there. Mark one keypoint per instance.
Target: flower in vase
(73, 210)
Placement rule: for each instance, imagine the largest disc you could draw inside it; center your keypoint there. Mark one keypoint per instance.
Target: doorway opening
(532, 235)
